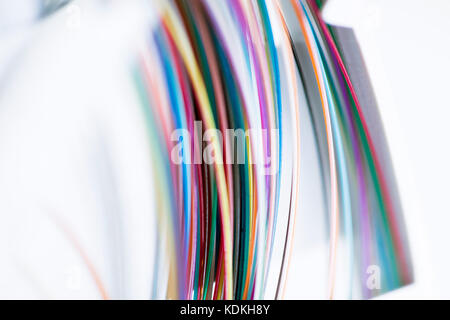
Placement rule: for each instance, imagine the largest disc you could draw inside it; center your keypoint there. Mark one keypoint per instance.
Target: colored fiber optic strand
(376, 172)
(252, 223)
(182, 42)
(331, 148)
(389, 250)
(343, 175)
(240, 61)
(75, 243)
(149, 85)
(245, 27)
(377, 246)
(287, 53)
(268, 71)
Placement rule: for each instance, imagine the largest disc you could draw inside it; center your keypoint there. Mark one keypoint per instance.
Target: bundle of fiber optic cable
(219, 85)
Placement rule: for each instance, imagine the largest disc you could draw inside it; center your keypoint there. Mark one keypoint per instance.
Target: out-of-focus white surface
(406, 47)
(17, 13)
(71, 137)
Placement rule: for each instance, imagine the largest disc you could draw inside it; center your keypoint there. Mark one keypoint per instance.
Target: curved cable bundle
(214, 66)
